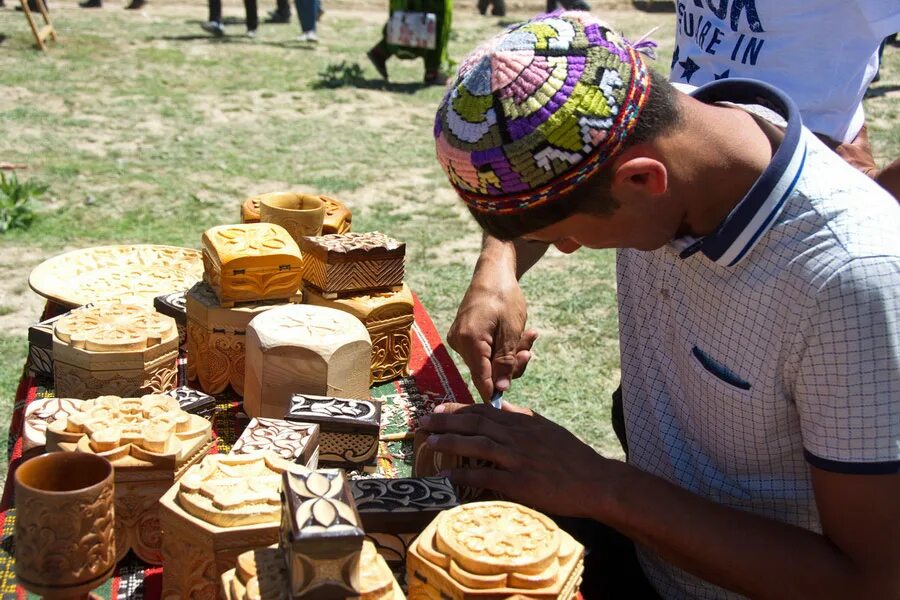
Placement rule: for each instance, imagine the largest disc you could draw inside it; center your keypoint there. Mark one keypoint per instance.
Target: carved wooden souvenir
(150, 441)
(353, 263)
(493, 550)
(337, 216)
(388, 317)
(39, 413)
(294, 442)
(348, 429)
(299, 214)
(115, 349)
(251, 263)
(215, 340)
(219, 509)
(320, 534)
(40, 346)
(395, 511)
(261, 575)
(303, 349)
(428, 463)
(194, 401)
(137, 273)
(173, 305)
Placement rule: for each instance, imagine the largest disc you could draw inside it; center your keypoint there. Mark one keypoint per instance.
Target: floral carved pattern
(324, 406)
(320, 495)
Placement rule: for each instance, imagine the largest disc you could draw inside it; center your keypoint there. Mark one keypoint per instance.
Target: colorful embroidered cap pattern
(537, 110)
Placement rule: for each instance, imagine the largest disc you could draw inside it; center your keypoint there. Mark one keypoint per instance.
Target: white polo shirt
(769, 345)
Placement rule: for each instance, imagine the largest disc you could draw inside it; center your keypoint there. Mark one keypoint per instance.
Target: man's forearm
(738, 550)
(518, 254)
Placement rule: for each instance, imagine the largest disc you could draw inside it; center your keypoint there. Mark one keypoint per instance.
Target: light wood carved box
(261, 575)
(337, 216)
(173, 305)
(348, 429)
(320, 534)
(114, 349)
(216, 339)
(353, 263)
(221, 508)
(293, 442)
(493, 550)
(251, 262)
(150, 442)
(388, 317)
(303, 349)
(395, 511)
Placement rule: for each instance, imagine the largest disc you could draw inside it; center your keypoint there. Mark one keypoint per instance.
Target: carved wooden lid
(203, 307)
(370, 245)
(294, 442)
(308, 326)
(319, 504)
(499, 546)
(152, 428)
(401, 505)
(234, 490)
(41, 412)
(250, 246)
(139, 272)
(172, 305)
(115, 327)
(369, 308)
(355, 414)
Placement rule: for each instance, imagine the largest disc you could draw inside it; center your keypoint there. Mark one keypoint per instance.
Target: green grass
(148, 131)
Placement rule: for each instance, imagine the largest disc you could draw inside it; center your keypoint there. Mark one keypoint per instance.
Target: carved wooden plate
(137, 273)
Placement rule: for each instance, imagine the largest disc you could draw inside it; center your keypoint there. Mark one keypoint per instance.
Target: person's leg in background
(307, 10)
(281, 14)
(214, 24)
(437, 61)
(251, 10)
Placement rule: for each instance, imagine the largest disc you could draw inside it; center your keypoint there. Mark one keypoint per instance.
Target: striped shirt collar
(739, 232)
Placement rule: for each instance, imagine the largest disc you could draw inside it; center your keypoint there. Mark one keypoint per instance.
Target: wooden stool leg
(33, 25)
(42, 6)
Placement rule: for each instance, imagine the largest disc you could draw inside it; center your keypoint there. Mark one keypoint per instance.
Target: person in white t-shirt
(759, 306)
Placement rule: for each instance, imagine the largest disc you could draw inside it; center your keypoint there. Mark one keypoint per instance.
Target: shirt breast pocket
(718, 369)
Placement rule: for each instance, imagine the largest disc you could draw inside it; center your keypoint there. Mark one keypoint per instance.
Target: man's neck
(716, 155)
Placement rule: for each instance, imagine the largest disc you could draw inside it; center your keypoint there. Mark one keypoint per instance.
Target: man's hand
(538, 463)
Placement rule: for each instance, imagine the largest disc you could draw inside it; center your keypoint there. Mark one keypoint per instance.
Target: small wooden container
(305, 349)
(114, 349)
(353, 263)
(150, 442)
(293, 442)
(395, 511)
(337, 216)
(348, 429)
(494, 550)
(388, 317)
(39, 413)
(250, 263)
(40, 346)
(215, 339)
(299, 214)
(261, 575)
(173, 305)
(320, 534)
(221, 508)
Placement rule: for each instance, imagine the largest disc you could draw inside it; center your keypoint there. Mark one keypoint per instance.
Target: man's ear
(636, 174)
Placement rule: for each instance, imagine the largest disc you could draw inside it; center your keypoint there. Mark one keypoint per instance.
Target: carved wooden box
(303, 349)
(428, 463)
(150, 442)
(320, 534)
(493, 550)
(395, 511)
(173, 305)
(261, 575)
(215, 340)
(40, 346)
(39, 413)
(353, 263)
(194, 401)
(294, 442)
(251, 262)
(116, 349)
(388, 317)
(348, 429)
(337, 216)
(220, 508)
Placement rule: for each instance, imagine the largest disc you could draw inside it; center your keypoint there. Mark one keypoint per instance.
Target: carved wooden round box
(150, 442)
(220, 508)
(114, 349)
(493, 550)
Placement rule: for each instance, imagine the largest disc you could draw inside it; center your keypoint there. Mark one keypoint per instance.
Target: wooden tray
(137, 272)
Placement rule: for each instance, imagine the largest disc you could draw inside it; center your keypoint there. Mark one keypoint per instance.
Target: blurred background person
(437, 61)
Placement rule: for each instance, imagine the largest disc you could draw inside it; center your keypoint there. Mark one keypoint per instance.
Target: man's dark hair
(659, 115)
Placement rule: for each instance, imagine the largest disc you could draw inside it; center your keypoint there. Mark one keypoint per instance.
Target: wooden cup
(301, 214)
(64, 524)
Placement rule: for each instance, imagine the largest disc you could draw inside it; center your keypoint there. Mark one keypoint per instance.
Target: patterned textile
(434, 380)
(537, 110)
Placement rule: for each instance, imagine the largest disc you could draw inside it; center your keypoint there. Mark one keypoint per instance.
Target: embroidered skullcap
(537, 110)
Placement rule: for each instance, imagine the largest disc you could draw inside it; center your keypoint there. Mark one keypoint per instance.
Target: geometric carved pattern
(348, 428)
(353, 262)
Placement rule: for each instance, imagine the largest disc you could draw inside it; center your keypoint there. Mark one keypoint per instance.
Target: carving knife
(497, 400)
